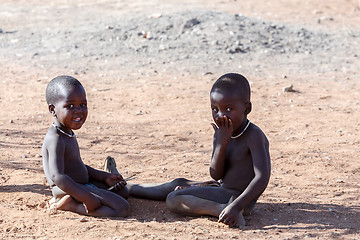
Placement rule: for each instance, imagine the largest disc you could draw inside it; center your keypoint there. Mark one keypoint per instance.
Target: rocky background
(148, 68)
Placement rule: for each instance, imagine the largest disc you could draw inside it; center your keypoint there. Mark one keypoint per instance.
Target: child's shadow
(143, 210)
(35, 188)
(305, 216)
(281, 216)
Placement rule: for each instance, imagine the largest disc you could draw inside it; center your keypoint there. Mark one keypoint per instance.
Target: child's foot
(241, 220)
(52, 201)
(110, 165)
(51, 205)
(66, 203)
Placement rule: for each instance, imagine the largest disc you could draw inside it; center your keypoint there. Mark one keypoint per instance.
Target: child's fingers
(221, 217)
(226, 121)
(122, 183)
(214, 126)
(91, 209)
(230, 222)
(217, 122)
(87, 210)
(227, 220)
(118, 186)
(220, 121)
(230, 123)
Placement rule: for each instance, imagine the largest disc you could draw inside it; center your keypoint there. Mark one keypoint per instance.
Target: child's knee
(172, 201)
(123, 209)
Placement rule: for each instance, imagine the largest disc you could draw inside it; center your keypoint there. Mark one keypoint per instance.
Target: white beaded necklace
(247, 125)
(63, 132)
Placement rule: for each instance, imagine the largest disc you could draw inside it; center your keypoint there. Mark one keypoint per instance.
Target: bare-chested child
(75, 186)
(240, 162)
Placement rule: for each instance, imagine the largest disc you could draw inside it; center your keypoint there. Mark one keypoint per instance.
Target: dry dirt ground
(150, 109)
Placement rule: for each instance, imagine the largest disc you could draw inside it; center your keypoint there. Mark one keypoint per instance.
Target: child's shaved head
(233, 82)
(56, 87)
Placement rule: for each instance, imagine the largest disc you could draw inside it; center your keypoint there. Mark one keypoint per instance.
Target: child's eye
(215, 110)
(228, 109)
(83, 105)
(70, 106)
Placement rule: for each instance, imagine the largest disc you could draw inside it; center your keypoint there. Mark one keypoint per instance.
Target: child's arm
(223, 131)
(56, 153)
(110, 179)
(259, 148)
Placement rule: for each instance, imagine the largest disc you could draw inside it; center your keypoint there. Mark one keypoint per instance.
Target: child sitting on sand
(240, 161)
(75, 186)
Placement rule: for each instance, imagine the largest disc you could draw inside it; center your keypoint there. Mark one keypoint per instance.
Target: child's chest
(238, 154)
(72, 150)
(73, 164)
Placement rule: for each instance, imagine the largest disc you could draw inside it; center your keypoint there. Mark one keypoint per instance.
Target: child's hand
(115, 181)
(230, 216)
(223, 129)
(91, 204)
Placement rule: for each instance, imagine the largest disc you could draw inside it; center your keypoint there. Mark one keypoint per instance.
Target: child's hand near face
(223, 129)
(115, 181)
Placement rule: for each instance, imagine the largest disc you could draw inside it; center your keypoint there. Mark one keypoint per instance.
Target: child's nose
(221, 114)
(78, 109)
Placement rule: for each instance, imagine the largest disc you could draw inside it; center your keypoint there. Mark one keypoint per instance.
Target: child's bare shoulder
(52, 139)
(256, 134)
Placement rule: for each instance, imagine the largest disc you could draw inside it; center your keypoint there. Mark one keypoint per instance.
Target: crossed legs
(202, 201)
(112, 204)
(194, 201)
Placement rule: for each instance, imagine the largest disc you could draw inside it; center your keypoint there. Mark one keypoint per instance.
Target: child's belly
(237, 180)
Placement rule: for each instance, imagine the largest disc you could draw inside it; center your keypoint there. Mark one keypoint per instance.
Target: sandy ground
(157, 126)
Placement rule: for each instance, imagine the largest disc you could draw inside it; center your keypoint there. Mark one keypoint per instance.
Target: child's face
(71, 111)
(229, 104)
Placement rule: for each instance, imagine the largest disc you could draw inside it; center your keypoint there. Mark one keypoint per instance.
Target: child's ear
(52, 109)
(248, 108)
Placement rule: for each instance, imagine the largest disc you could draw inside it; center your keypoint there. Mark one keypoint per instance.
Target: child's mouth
(78, 119)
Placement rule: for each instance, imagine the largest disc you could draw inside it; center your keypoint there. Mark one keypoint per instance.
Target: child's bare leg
(110, 167)
(68, 203)
(156, 191)
(62, 201)
(202, 201)
(193, 206)
(112, 205)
